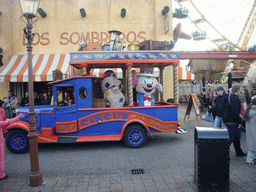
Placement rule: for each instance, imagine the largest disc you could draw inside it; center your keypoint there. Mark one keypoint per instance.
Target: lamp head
(29, 8)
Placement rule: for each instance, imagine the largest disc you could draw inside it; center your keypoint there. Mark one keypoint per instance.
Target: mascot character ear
(134, 78)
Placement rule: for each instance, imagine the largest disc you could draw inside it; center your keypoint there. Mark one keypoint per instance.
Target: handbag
(208, 117)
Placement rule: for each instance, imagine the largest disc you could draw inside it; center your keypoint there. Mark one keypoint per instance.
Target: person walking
(243, 108)
(212, 106)
(219, 108)
(4, 122)
(250, 122)
(232, 119)
(247, 96)
(243, 104)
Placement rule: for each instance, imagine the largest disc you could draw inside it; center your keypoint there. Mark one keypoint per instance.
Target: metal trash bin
(211, 159)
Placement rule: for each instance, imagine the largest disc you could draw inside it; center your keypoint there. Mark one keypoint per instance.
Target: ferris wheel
(246, 35)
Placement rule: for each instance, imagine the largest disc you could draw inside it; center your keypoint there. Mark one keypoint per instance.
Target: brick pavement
(167, 160)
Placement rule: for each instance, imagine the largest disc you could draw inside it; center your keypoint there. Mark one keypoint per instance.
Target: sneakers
(250, 163)
(181, 131)
(5, 177)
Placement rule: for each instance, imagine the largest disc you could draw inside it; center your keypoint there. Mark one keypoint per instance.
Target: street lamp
(29, 10)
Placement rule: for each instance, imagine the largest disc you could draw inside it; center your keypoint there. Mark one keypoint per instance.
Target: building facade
(61, 31)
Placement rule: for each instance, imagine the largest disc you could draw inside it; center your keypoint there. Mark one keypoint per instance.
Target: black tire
(135, 136)
(17, 141)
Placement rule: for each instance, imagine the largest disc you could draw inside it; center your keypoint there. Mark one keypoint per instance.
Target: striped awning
(182, 73)
(16, 70)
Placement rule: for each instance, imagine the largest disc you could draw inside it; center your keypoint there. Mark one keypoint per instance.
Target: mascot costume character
(111, 88)
(146, 85)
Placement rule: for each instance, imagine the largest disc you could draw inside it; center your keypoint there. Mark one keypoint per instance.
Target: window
(65, 96)
(82, 93)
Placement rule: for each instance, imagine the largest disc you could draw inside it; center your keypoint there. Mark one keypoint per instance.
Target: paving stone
(70, 189)
(93, 189)
(151, 188)
(104, 190)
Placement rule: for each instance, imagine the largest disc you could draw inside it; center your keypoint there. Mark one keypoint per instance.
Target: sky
(227, 16)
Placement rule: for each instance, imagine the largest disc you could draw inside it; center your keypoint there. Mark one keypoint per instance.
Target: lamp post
(29, 10)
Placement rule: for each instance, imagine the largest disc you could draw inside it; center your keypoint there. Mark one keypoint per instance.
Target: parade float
(82, 112)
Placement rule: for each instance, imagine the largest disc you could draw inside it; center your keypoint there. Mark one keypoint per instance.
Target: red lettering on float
(104, 40)
(77, 38)
(122, 38)
(65, 38)
(95, 35)
(38, 39)
(45, 38)
(139, 36)
(128, 37)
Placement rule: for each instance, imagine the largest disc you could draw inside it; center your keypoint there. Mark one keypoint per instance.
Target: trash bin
(211, 159)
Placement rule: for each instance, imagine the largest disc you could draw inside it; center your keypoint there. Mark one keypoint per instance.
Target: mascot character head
(146, 82)
(111, 88)
(110, 81)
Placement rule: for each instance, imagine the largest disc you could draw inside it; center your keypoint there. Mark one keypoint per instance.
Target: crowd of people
(194, 82)
(11, 103)
(235, 111)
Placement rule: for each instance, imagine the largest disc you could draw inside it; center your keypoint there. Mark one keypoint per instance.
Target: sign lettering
(74, 38)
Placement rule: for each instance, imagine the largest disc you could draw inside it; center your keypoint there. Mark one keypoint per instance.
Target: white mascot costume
(111, 88)
(146, 85)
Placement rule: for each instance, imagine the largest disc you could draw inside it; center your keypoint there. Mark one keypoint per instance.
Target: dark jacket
(24, 101)
(220, 104)
(248, 99)
(232, 107)
(46, 101)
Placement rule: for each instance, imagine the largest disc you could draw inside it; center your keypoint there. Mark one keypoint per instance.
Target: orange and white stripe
(16, 70)
(182, 73)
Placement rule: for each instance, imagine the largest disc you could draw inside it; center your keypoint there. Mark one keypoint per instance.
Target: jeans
(217, 122)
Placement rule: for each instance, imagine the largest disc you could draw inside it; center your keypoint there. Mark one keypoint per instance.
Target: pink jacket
(4, 122)
(2, 114)
(9, 121)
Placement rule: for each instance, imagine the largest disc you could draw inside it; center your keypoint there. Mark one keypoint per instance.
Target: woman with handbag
(250, 122)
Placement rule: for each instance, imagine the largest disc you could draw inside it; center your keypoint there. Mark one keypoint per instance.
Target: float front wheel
(17, 141)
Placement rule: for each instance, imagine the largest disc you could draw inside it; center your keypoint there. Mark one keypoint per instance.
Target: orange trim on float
(132, 121)
(19, 124)
(99, 138)
(52, 139)
(66, 127)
